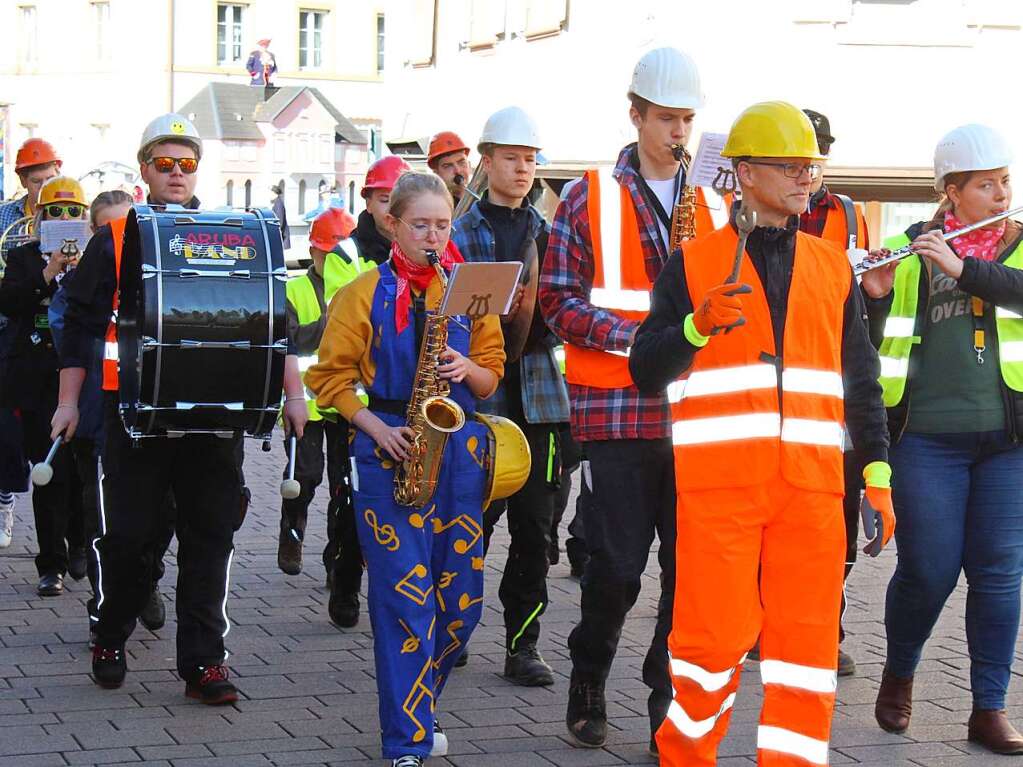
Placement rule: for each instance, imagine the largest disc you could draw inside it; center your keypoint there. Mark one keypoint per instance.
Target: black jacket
(372, 245)
(31, 375)
(661, 352)
(991, 281)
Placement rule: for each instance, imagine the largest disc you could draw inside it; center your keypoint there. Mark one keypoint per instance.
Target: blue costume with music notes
(425, 565)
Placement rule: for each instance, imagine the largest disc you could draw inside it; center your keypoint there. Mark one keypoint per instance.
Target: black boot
(289, 550)
(343, 608)
(154, 614)
(587, 713)
(527, 668)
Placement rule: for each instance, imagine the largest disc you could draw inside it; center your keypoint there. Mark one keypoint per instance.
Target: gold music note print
(414, 698)
(472, 445)
(411, 643)
(465, 602)
(468, 524)
(417, 520)
(453, 645)
(385, 535)
(406, 588)
(386, 462)
(477, 563)
(445, 581)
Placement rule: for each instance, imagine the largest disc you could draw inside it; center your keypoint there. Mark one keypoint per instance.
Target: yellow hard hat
(772, 129)
(61, 190)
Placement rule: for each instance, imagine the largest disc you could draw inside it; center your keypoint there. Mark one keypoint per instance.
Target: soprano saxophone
(683, 215)
(432, 414)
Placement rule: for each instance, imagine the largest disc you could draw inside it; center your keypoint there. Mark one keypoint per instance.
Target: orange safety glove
(876, 509)
(721, 309)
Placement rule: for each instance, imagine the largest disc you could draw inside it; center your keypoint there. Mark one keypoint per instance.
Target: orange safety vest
(110, 347)
(620, 281)
(837, 228)
(727, 426)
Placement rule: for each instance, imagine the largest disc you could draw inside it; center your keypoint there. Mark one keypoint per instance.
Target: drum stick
(42, 473)
(290, 488)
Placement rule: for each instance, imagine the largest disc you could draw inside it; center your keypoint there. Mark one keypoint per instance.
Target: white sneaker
(440, 741)
(6, 524)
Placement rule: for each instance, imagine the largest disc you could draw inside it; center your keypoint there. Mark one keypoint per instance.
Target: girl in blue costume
(425, 565)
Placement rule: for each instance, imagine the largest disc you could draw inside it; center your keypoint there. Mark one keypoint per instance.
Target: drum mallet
(42, 473)
(290, 488)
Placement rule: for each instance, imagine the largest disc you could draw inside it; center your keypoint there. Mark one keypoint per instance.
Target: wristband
(295, 399)
(64, 404)
(693, 335)
(878, 474)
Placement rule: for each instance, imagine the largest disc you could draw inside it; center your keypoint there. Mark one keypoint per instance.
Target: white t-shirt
(664, 190)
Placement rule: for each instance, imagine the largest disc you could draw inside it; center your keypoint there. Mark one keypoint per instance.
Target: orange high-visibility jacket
(837, 228)
(728, 427)
(620, 281)
(110, 347)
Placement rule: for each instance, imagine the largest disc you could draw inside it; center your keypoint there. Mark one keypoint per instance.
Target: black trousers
(51, 503)
(571, 458)
(633, 498)
(851, 511)
(342, 554)
(523, 590)
(13, 467)
(202, 472)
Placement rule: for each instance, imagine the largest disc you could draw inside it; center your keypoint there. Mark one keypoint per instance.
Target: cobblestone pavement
(308, 688)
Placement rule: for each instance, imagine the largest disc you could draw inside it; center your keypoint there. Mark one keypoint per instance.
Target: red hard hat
(36, 151)
(383, 173)
(330, 227)
(444, 143)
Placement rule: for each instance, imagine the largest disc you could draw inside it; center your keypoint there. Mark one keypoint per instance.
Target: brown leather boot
(894, 704)
(992, 729)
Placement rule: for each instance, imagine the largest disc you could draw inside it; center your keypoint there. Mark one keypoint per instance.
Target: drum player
(200, 469)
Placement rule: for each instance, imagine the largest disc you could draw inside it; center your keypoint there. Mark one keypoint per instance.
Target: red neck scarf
(980, 243)
(408, 273)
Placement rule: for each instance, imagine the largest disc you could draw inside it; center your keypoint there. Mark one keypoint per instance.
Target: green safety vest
(902, 328)
(302, 294)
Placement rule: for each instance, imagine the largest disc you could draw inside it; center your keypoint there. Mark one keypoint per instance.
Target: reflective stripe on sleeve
(802, 677)
(788, 742)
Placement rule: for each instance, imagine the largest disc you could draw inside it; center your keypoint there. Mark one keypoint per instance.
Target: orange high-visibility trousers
(795, 540)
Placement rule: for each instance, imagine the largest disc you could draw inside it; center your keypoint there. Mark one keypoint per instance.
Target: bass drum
(201, 324)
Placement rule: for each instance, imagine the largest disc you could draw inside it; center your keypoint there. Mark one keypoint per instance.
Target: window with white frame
(229, 33)
(310, 39)
(380, 43)
(230, 193)
(29, 35)
(101, 19)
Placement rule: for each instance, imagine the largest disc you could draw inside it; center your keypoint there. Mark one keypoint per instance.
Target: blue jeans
(959, 506)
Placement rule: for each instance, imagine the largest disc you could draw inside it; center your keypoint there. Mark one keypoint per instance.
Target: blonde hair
(414, 184)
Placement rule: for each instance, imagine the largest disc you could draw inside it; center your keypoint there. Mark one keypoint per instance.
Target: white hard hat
(969, 147)
(669, 78)
(169, 127)
(510, 126)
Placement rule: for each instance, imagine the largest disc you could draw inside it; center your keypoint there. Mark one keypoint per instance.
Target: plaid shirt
(544, 396)
(9, 213)
(599, 414)
(813, 220)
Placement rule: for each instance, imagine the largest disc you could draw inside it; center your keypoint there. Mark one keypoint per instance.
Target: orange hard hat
(444, 143)
(330, 227)
(384, 173)
(36, 151)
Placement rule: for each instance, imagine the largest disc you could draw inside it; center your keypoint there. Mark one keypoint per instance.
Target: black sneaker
(343, 609)
(553, 551)
(846, 664)
(50, 585)
(154, 614)
(586, 717)
(77, 563)
(463, 659)
(289, 551)
(108, 667)
(212, 687)
(527, 668)
(652, 749)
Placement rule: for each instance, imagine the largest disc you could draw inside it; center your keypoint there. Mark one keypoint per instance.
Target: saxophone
(432, 414)
(683, 215)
